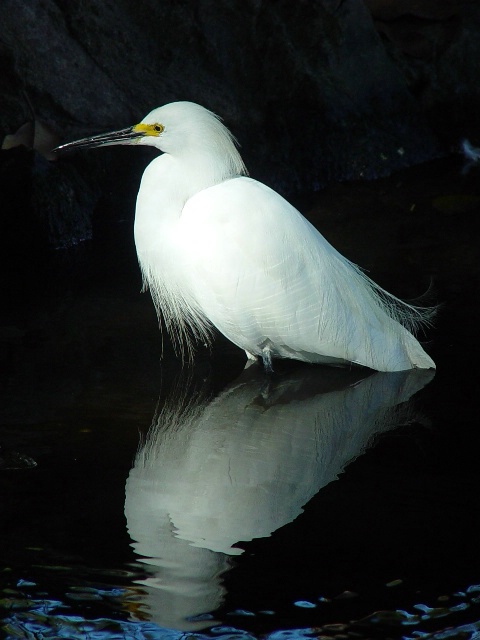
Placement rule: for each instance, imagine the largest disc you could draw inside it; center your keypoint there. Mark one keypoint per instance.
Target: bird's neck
(168, 182)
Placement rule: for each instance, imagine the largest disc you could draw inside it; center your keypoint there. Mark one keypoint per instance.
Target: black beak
(124, 136)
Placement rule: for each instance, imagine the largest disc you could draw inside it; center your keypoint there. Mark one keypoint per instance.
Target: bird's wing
(258, 268)
(263, 275)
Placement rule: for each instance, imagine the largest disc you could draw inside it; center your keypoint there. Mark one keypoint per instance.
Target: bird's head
(182, 129)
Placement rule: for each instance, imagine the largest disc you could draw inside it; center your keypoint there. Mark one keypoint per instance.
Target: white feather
(220, 249)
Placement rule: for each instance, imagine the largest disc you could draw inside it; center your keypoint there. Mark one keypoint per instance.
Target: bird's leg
(267, 359)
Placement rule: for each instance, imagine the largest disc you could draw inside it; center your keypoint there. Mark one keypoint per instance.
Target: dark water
(138, 500)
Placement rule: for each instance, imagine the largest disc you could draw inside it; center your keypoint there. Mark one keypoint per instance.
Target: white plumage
(218, 249)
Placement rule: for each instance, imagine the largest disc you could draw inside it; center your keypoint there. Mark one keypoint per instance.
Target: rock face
(314, 91)
(436, 46)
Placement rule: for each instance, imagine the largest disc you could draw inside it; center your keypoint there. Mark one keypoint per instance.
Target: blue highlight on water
(305, 604)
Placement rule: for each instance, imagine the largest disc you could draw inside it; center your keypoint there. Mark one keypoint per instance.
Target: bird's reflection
(213, 473)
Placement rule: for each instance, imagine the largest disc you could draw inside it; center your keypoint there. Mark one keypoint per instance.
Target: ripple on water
(26, 615)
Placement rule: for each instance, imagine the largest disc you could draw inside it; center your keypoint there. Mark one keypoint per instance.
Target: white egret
(218, 249)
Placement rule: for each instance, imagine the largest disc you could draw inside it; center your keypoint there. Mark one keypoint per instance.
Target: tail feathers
(417, 356)
(399, 337)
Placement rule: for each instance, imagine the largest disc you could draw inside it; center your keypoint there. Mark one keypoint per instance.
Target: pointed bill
(123, 136)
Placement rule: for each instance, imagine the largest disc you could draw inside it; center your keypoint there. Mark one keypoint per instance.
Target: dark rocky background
(316, 92)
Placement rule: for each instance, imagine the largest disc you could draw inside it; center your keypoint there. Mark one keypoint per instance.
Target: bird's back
(265, 277)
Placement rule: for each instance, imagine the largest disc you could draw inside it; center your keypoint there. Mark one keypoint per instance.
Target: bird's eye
(158, 128)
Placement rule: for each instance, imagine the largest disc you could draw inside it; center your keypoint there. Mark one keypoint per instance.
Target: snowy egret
(218, 249)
